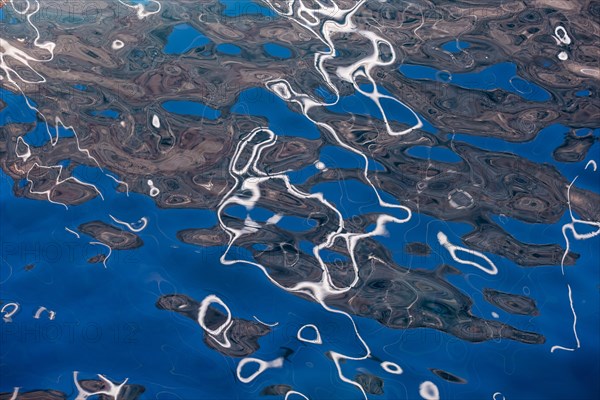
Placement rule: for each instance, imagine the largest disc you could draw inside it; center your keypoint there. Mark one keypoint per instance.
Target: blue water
(540, 150)
(583, 93)
(183, 38)
(107, 321)
(338, 157)
(126, 321)
(360, 104)
(455, 46)
(235, 8)
(113, 114)
(17, 110)
(277, 50)
(228, 48)
(40, 135)
(500, 76)
(183, 107)
(281, 119)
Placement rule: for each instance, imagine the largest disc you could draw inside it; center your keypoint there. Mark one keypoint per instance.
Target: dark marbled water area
(243, 334)
(115, 238)
(511, 303)
(96, 388)
(389, 293)
(447, 376)
(163, 103)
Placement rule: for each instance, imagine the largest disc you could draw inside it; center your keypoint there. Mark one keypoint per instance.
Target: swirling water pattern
(237, 199)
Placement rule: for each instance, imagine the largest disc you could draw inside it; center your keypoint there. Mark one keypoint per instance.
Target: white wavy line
(113, 391)
(574, 326)
(264, 323)
(141, 9)
(129, 226)
(109, 251)
(73, 232)
(452, 249)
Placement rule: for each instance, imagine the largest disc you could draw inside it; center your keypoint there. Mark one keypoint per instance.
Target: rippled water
(299, 199)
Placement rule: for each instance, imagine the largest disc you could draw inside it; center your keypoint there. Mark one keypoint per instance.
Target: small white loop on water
(391, 367)
(595, 72)
(262, 366)
(429, 391)
(316, 340)
(452, 249)
(561, 34)
(498, 394)
(138, 226)
(141, 9)
(117, 44)
(23, 155)
(208, 300)
(9, 313)
(282, 90)
(457, 206)
(154, 191)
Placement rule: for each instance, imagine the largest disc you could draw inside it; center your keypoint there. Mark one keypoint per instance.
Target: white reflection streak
(574, 326)
(143, 222)
(319, 291)
(8, 51)
(223, 328)
(109, 251)
(113, 391)
(141, 8)
(578, 236)
(73, 232)
(452, 249)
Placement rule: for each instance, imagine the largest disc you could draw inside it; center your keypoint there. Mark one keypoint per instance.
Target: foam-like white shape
(154, 191)
(429, 391)
(155, 121)
(117, 44)
(109, 251)
(452, 249)
(141, 8)
(38, 313)
(113, 390)
(262, 366)
(10, 309)
(316, 340)
(391, 367)
(221, 329)
(139, 225)
(554, 348)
